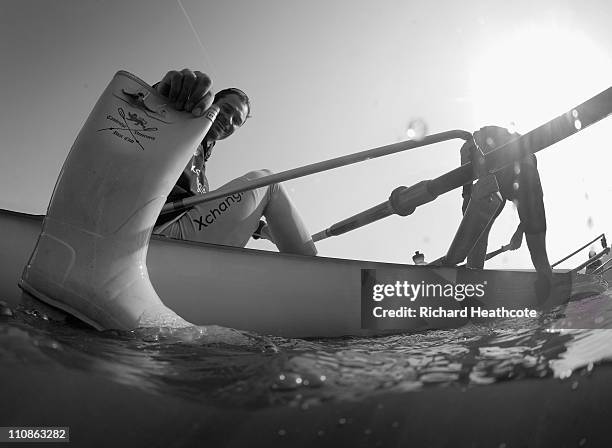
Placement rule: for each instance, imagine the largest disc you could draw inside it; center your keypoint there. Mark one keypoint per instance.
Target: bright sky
(328, 78)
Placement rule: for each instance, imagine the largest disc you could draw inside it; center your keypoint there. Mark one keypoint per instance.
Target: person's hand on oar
(515, 243)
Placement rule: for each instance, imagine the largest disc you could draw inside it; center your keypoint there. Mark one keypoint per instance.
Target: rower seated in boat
(233, 219)
(521, 184)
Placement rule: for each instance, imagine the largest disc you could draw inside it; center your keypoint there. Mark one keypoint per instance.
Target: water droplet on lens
(590, 222)
(416, 129)
(287, 381)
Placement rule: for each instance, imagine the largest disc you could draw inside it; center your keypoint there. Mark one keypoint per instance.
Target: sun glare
(535, 73)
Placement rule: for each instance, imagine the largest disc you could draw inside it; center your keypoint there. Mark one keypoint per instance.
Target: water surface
(281, 377)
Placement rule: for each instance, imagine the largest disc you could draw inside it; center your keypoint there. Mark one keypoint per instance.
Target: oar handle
(316, 168)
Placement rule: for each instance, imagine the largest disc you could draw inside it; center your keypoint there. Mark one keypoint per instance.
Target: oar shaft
(495, 253)
(578, 250)
(354, 222)
(404, 201)
(317, 168)
(490, 255)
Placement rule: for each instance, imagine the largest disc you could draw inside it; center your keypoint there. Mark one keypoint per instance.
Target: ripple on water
(232, 368)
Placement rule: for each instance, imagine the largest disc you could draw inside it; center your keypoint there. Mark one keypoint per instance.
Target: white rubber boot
(90, 259)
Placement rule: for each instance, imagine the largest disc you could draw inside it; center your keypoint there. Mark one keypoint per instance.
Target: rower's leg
(533, 221)
(530, 207)
(476, 258)
(285, 225)
(232, 220)
(537, 249)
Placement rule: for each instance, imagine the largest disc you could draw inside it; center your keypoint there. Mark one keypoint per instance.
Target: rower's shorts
(229, 221)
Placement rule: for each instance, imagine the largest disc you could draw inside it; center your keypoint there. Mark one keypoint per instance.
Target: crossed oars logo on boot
(136, 129)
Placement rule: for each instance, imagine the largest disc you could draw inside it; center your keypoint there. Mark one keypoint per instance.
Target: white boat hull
(268, 292)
